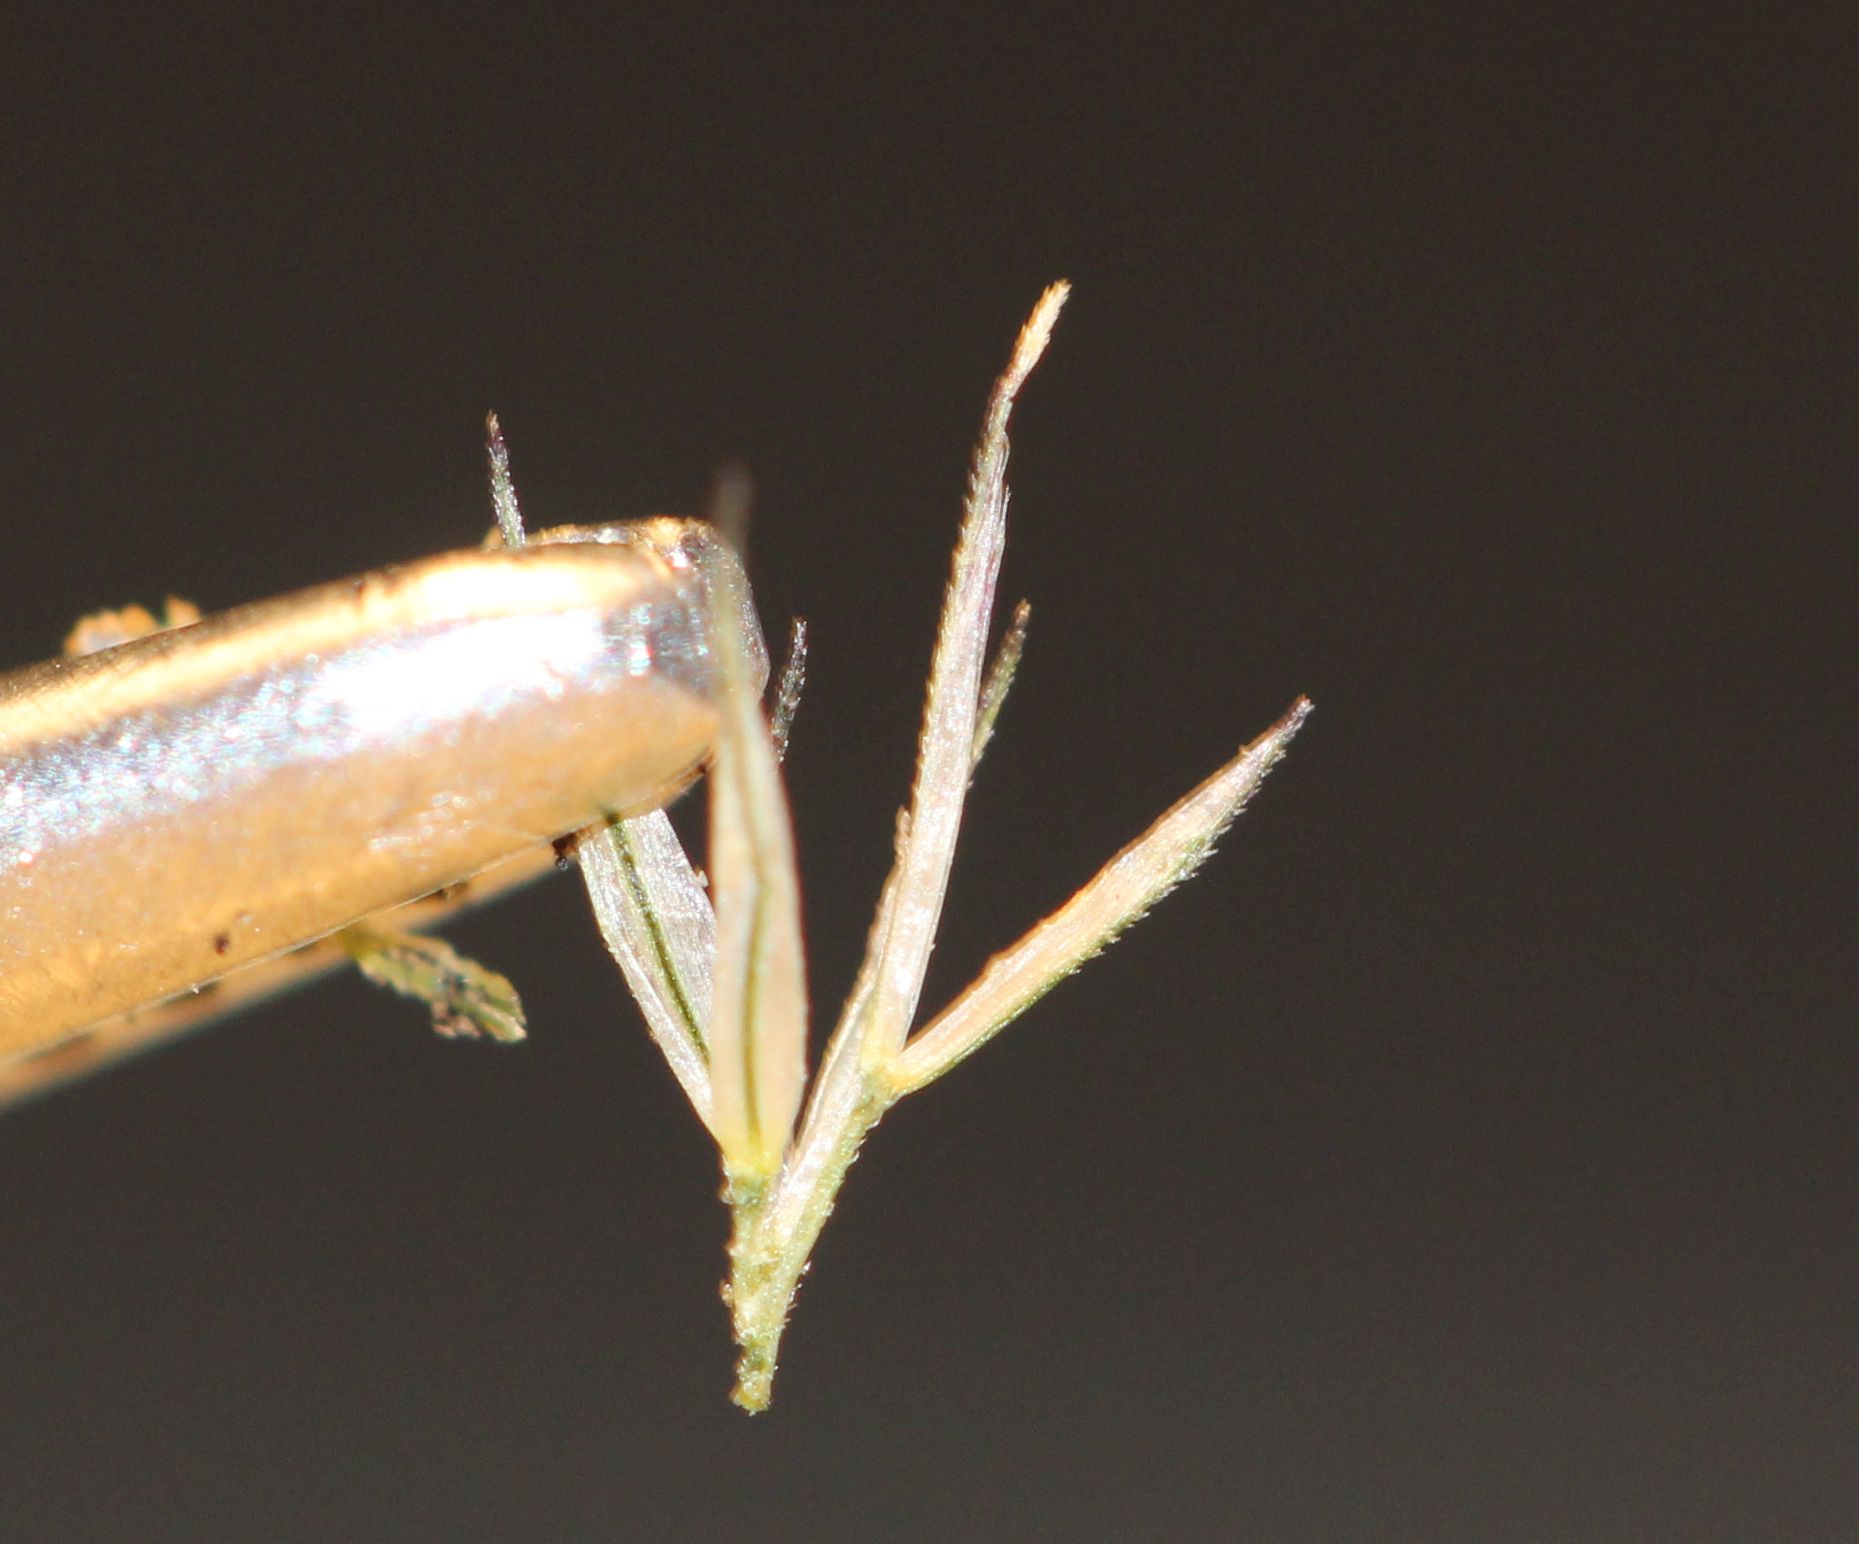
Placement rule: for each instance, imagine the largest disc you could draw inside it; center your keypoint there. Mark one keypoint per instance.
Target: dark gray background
(1469, 1154)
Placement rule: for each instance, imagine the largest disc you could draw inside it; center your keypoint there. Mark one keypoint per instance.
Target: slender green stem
(774, 1239)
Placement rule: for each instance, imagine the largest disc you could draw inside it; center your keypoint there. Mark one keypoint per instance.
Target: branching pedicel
(724, 991)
